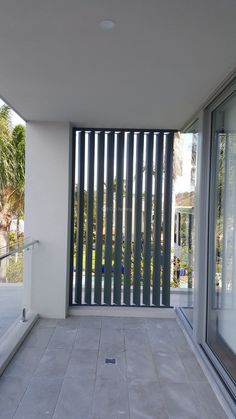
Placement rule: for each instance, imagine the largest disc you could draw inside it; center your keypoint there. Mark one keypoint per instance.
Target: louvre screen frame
(111, 132)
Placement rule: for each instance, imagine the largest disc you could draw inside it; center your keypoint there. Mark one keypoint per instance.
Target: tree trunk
(3, 263)
(17, 227)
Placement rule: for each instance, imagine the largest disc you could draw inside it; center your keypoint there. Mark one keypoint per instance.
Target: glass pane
(184, 184)
(221, 335)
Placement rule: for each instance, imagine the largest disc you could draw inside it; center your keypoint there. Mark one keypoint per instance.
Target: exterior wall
(46, 217)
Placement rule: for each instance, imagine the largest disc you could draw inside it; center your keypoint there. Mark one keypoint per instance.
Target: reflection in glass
(221, 335)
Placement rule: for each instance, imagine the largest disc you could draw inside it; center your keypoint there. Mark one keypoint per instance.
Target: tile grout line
(177, 352)
(126, 365)
(158, 380)
(95, 378)
(63, 379)
(152, 355)
(21, 398)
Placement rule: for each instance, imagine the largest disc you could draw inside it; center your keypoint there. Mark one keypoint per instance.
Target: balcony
(129, 184)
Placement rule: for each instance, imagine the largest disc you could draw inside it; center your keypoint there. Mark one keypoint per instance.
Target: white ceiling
(153, 70)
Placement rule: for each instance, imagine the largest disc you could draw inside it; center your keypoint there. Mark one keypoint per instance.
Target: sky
(15, 118)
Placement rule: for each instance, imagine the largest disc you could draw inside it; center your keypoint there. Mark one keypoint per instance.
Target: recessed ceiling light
(107, 24)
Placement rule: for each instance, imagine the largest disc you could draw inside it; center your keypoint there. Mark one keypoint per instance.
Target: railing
(14, 268)
(19, 246)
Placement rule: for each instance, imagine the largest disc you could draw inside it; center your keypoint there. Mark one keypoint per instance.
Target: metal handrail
(18, 247)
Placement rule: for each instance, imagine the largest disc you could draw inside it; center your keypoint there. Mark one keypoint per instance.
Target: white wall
(46, 216)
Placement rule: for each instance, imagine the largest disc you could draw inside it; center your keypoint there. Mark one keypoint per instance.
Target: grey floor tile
(7, 415)
(180, 340)
(140, 364)
(40, 399)
(112, 339)
(110, 371)
(133, 323)
(112, 322)
(62, 338)
(161, 341)
(210, 406)
(87, 339)
(39, 337)
(71, 323)
(53, 363)
(44, 322)
(12, 390)
(170, 367)
(75, 400)
(180, 401)
(91, 322)
(24, 362)
(110, 400)
(83, 363)
(171, 324)
(193, 370)
(2, 331)
(146, 400)
(136, 338)
(153, 324)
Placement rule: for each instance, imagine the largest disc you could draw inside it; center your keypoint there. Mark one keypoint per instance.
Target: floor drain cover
(110, 360)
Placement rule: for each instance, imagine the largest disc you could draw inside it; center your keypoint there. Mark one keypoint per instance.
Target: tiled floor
(60, 372)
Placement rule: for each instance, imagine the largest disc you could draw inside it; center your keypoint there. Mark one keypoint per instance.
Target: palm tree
(12, 143)
(18, 138)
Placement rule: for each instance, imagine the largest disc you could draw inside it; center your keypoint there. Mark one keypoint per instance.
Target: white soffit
(154, 68)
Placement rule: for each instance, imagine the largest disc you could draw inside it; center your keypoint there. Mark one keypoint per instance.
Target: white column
(47, 216)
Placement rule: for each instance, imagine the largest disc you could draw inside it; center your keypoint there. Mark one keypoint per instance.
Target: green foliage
(11, 238)
(18, 138)
(7, 151)
(15, 267)
(12, 169)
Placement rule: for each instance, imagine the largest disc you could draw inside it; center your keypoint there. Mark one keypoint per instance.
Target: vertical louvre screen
(128, 216)
(118, 242)
(109, 217)
(80, 216)
(89, 216)
(122, 217)
(99, 218)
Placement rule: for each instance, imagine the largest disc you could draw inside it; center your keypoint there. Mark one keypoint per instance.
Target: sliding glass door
(221, 313)
(183, 213)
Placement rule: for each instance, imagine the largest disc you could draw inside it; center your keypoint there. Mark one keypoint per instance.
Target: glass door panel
(221, 331)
